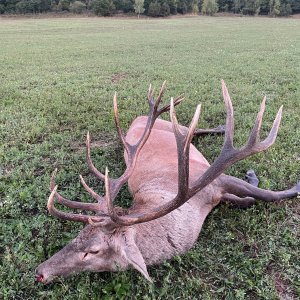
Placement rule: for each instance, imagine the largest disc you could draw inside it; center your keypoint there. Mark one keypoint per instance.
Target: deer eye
(89, 252)
(94, 252)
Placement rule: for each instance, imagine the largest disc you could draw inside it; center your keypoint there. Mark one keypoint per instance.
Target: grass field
(58, 77)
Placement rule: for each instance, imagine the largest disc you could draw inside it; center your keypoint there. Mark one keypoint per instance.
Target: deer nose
(39, 277)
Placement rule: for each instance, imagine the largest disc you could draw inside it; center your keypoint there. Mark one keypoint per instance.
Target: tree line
(154, 8)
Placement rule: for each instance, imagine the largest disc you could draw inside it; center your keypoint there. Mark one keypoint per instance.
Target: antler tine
(229, 129)
(150, 95)
(117, 121)
(270, 139)
(174, 120)
(183, 142)
(178, 134)
(192, 128)
(52, 179)
(152, 116)
(149, 89)
(182, 154)
(154, 105)
(109, 201)
(68, 216)
(69, 203)
(253, 143)
(92, 168)
(254, 136)
(176, 101)
(97, 197)
(160, 95)
(188, 136)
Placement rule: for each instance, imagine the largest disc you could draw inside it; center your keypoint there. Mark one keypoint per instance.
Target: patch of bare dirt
(283, 289)
(115, 78)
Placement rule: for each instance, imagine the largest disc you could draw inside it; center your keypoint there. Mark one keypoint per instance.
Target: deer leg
(239, 188)
(245, 202)
(251, 178)
(238, 201)
(218, 130)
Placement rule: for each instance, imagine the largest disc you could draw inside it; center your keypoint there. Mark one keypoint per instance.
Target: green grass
(58, 77)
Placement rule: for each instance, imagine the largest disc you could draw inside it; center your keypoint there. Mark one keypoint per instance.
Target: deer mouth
(43, 278)
(39, 278)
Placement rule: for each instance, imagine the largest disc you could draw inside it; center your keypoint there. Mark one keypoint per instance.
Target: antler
(228, 156)
(114, 184)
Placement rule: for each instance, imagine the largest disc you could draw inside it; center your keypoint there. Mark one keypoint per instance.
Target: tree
(209, 7)
(10, 6)
(237, 6)
(77, 7)
(63, 5)
(274, 8)
(173, 6)
(23, 7)
(286, 7)
(154, 9)
(182, 7)
(251, 7)
(103, 7)
(295, 5)
(225, 5)
(32, 6)
(54, 6)
(195, 7)
(139, 7)
(164, 9)
(146, 6)
(124, 5)
(189, 5)
(159, 8)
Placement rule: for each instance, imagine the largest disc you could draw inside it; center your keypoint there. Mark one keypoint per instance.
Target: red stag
(171, 183)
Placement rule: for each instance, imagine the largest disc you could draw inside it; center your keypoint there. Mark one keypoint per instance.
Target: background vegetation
(154, 8)
(58, 77)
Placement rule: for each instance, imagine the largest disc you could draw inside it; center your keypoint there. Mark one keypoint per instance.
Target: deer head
(95, 249)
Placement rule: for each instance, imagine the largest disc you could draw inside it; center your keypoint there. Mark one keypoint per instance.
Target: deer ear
(132, 253)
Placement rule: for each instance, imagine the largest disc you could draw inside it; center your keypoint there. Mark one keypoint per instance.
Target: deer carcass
(173, 186)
